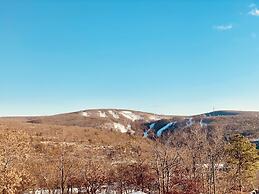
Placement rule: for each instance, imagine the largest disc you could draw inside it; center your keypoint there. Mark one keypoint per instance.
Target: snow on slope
(74, 190)
(202, 124)
(130, 115)
(151, 126)
(190, 122)
(102, 114)
(154, 117)
(115, 115)
(121, 128)
(160, 131)
(85, 114)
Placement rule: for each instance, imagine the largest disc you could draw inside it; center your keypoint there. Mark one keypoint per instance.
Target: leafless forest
(55, 159)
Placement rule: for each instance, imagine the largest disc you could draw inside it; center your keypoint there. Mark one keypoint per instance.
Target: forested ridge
(75, 160)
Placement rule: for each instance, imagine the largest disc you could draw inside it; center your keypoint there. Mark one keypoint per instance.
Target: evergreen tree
(242, 158)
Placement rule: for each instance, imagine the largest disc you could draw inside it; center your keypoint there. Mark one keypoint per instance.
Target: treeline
(189, 162)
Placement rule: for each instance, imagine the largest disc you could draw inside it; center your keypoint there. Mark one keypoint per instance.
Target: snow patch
(154, 117)
(130, 115)
(46, 191)
(217, 166)
(102, 114)
(121, 128)
(190, 122)
(202, 124)
(85, 114)
(115, 115)
(160, 131)
(151, 126)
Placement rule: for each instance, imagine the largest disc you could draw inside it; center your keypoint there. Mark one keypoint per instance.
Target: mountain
(153, 125)
(124, 121)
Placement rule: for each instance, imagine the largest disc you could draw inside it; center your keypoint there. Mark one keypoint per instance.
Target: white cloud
(223, 27)
(254, 12)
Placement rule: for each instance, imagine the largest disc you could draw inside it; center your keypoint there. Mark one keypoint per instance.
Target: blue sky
(166, 56)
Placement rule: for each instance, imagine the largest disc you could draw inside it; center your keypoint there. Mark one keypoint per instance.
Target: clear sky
(163, 56)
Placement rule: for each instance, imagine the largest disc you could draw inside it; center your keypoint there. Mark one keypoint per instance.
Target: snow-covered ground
(115, 115)
(130, 115)
(160, 131)
(45, 191)
(203, 124)
(217, 166)
(75, 190)
(190, 122)
(85, 114)
(121, 128)
(151, 126)
(102, 114)
(154, 117)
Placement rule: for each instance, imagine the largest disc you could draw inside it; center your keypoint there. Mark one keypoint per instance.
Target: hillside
(149, 124)
(88, 141)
